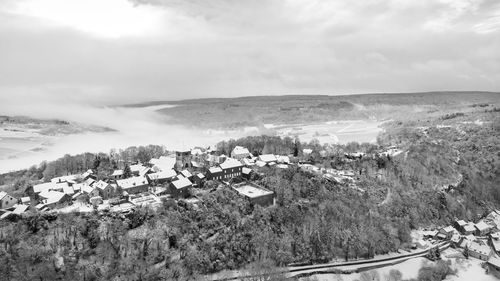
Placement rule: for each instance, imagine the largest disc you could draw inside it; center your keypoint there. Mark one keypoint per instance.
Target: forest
(449, 170)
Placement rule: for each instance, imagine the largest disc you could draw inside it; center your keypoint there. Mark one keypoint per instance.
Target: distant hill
(292, 109)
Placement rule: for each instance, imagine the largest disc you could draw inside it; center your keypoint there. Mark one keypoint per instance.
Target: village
(182, 175)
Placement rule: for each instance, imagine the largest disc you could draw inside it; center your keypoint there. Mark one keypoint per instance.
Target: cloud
(122, 51)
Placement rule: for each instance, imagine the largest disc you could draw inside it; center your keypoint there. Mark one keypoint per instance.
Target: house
(482, 228)
(20, 209)
(199, 179)
(306, 151)
(139, 170)
(468, 229)
(467, 240)
(70, 179)
(68, 190)
(105, 189)
(459, 225)
(256, 194)
(283, 159)
(164, 163)
(214, 173)
(53, 198)
(88, 174)
(133, 185)
(37, 188)
(162, 176)
(246, 173)
(494, 266)
(248, 162)
(446, 232)
(117, 174)
(26, 200)
(231, 168)
(267, 158)
(90, 190)
(197, 166)
(480, 251)
(186, 174)
(6, 201)
(493, 219)
(495, 241)
(180, 188)
(240, 152)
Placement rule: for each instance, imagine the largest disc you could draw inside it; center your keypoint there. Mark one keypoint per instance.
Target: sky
(120, 51)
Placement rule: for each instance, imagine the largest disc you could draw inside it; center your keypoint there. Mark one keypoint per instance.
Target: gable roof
(132, 182)
(166, 174)
(2, 194)
(186, 173)
(64, 179)
(68, 190)
(230, 163)
(117, 173)
(268, 158)
(181, 183)
(240, 150)
(482, 226)
(283, 159)
(163, 163)
(214, 170)
(469, 227)
(101, 185)
(246, 170)
(37, 188)
(52, 196)
(20, 209)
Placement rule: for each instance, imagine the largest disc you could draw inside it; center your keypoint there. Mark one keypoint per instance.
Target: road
(344, 267)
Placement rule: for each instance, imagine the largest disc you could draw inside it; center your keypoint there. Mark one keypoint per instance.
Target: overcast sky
(117, 51)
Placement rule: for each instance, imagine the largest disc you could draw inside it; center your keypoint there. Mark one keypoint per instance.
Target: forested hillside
(448, 168)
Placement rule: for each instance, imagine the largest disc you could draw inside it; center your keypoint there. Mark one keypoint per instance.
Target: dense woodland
(446, 172)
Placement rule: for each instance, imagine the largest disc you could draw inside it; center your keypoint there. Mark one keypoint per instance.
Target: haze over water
(135, 127)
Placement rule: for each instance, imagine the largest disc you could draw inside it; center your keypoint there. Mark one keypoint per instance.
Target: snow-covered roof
(186, 173)
(283, 159)
(182, 183)
(162, 175)
(268, 158)
(240, 150)
(132, 182)
(101, 184)
(117, 173)
(37, 188)
(246, 170)
(2, 194)
(20, 209)
(68, 190)
(64, 179)
(163, 163)
(482, 226)
(214, 170)
(52, 196)
(230, 163)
